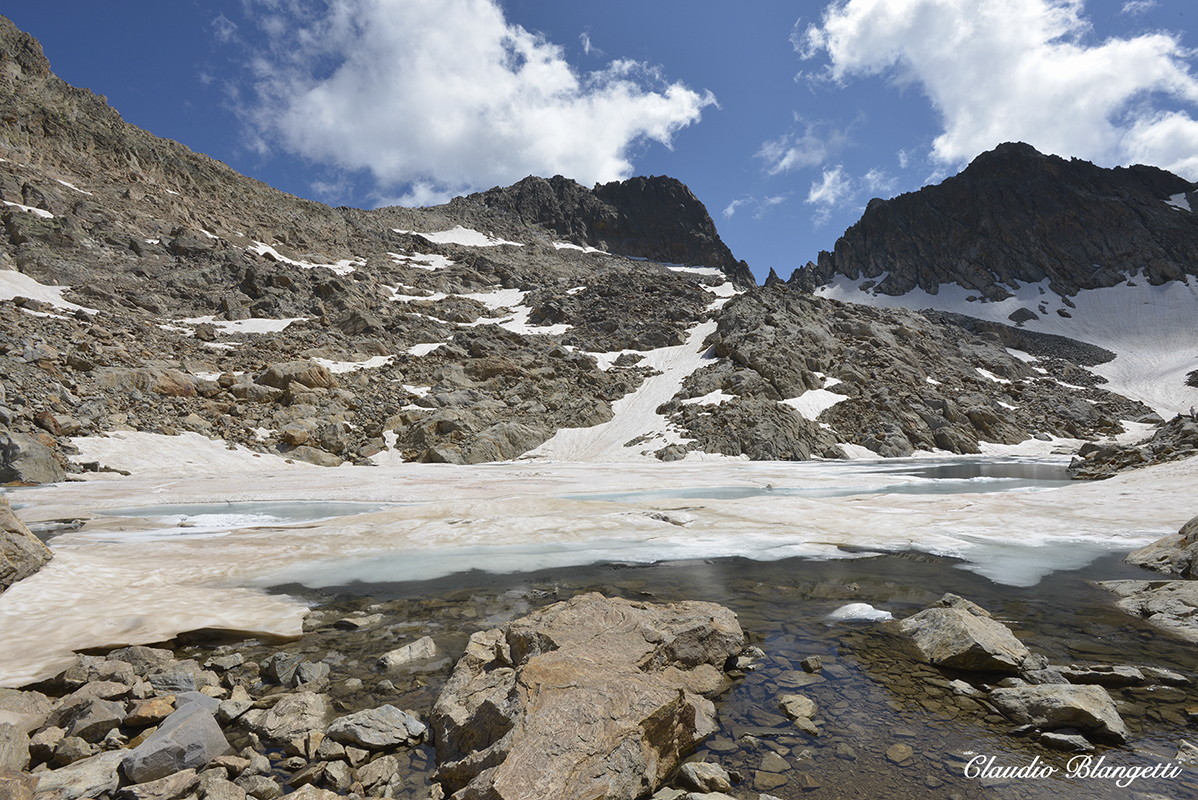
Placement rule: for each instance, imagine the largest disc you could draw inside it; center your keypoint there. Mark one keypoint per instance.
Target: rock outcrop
(1016, 216)
(1173, 555)
(1173, 441)
(590, 698)
(21, 553)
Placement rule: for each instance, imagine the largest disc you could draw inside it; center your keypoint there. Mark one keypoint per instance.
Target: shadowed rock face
(585, 699)
(1017, 216)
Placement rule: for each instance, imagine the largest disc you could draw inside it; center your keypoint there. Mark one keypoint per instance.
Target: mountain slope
(1103, 256)
(154, 290)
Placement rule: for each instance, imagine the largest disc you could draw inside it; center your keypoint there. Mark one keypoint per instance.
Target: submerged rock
(590, 698)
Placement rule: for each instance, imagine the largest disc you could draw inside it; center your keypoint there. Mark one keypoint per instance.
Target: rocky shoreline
(352, 707)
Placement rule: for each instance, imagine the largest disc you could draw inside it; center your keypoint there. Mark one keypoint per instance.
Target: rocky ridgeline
(1016, 216)
(206, 302)
(587, 698)
(900, 381)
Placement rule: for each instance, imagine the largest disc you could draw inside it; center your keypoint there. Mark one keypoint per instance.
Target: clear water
(877, 698)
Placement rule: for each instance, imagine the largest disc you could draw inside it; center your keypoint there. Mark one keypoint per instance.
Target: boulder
(24, 459)
(1169, 605)
(377, 728)
(959, 639)
(305, 373)
(293, 716)
(172, 787)
(187, 739)
(90, 777)
(1056, 706)
(21, 553)
(704, 776)
(14, 748)
(584, 699)
(17, 785)
(27, 711)
(1175, 554)
(419, 650)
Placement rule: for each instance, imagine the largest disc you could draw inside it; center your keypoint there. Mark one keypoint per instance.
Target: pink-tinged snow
(129, 580)
(466, 237)
(1153, 330)
(18, 284)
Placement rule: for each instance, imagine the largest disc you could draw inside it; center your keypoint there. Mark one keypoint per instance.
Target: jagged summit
(1016, 216)
(657, 218)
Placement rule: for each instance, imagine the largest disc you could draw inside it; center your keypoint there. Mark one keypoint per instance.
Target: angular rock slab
(377, 728)
(584, 699)
(90, 777)
(187, 739)
(21, 553)
(1055, 706)
(955, 638)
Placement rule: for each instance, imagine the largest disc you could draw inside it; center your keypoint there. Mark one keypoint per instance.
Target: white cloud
(730, 209)
(760, 205)
(1000, 70)
(811, 148)
(588, 46)
(446, 95)
(880, 183)
(224, 29)
(834, 190)
(1136, 7)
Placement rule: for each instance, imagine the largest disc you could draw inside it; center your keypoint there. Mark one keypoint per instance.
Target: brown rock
(957, 638)
(572, 701)
(21, 553)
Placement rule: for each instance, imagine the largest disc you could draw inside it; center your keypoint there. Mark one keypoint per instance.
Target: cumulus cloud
(834, 190)
(999, 70)
(441, 96)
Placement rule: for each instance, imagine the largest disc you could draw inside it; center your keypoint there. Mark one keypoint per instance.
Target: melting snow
(424, 348)
(1153, 330)
(991, 376)
(429, 262)
(252, 325)
(813, 402)
(1179, 201)
(71, 186)
(709, 399)
(709, 271)
(343, 267)
(463, 236)
(339, 367)
(580, 248)
(18, 284)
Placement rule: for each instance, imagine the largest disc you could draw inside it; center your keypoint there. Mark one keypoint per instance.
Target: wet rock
(959, 639)
(900, 754)
(578, 699)
(377, 729)
(21, 553)
(704, 776)
(1066, 741)
(1169, 605)
(1087, 708)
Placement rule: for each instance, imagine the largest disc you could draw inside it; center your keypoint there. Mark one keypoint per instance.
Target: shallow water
(872, 697)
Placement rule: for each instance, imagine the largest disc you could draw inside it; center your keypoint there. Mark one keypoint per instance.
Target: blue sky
(784, 118)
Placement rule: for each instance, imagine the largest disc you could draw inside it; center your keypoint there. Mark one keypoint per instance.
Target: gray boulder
(419, 650)
(187, 739)
(27, 711)
(705, 776)
(21, 553)
(305, 373)
(14, 748)
(1055, 706)
(1169, 605)
(959, 639)
(172, 787)
(377, 728)
(586, 698)
(23, 458)
(1175, 554)
(293, 716)
(90, 777)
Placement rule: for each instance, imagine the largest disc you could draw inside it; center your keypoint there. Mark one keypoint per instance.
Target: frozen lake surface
(159, 553)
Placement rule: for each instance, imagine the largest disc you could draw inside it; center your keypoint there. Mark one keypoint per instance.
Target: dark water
(872, 697)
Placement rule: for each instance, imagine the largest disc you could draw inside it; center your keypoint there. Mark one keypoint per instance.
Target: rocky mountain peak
(656, 218)
(1017, 216)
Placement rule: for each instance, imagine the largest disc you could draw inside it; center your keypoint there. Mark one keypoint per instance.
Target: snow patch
(1179, 201)
(340, 367)
(430, 261)
(41, 212)
(813, 402)
(580, 248)
(18, 284)
(710, 399)
(342, 267)
(991, 376)
(424, 348)
(460, 235)
(713, 272)
(73, 187)
(252, 325)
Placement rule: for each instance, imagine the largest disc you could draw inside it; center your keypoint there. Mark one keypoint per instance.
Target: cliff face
(657, 218)
(1017, 216)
